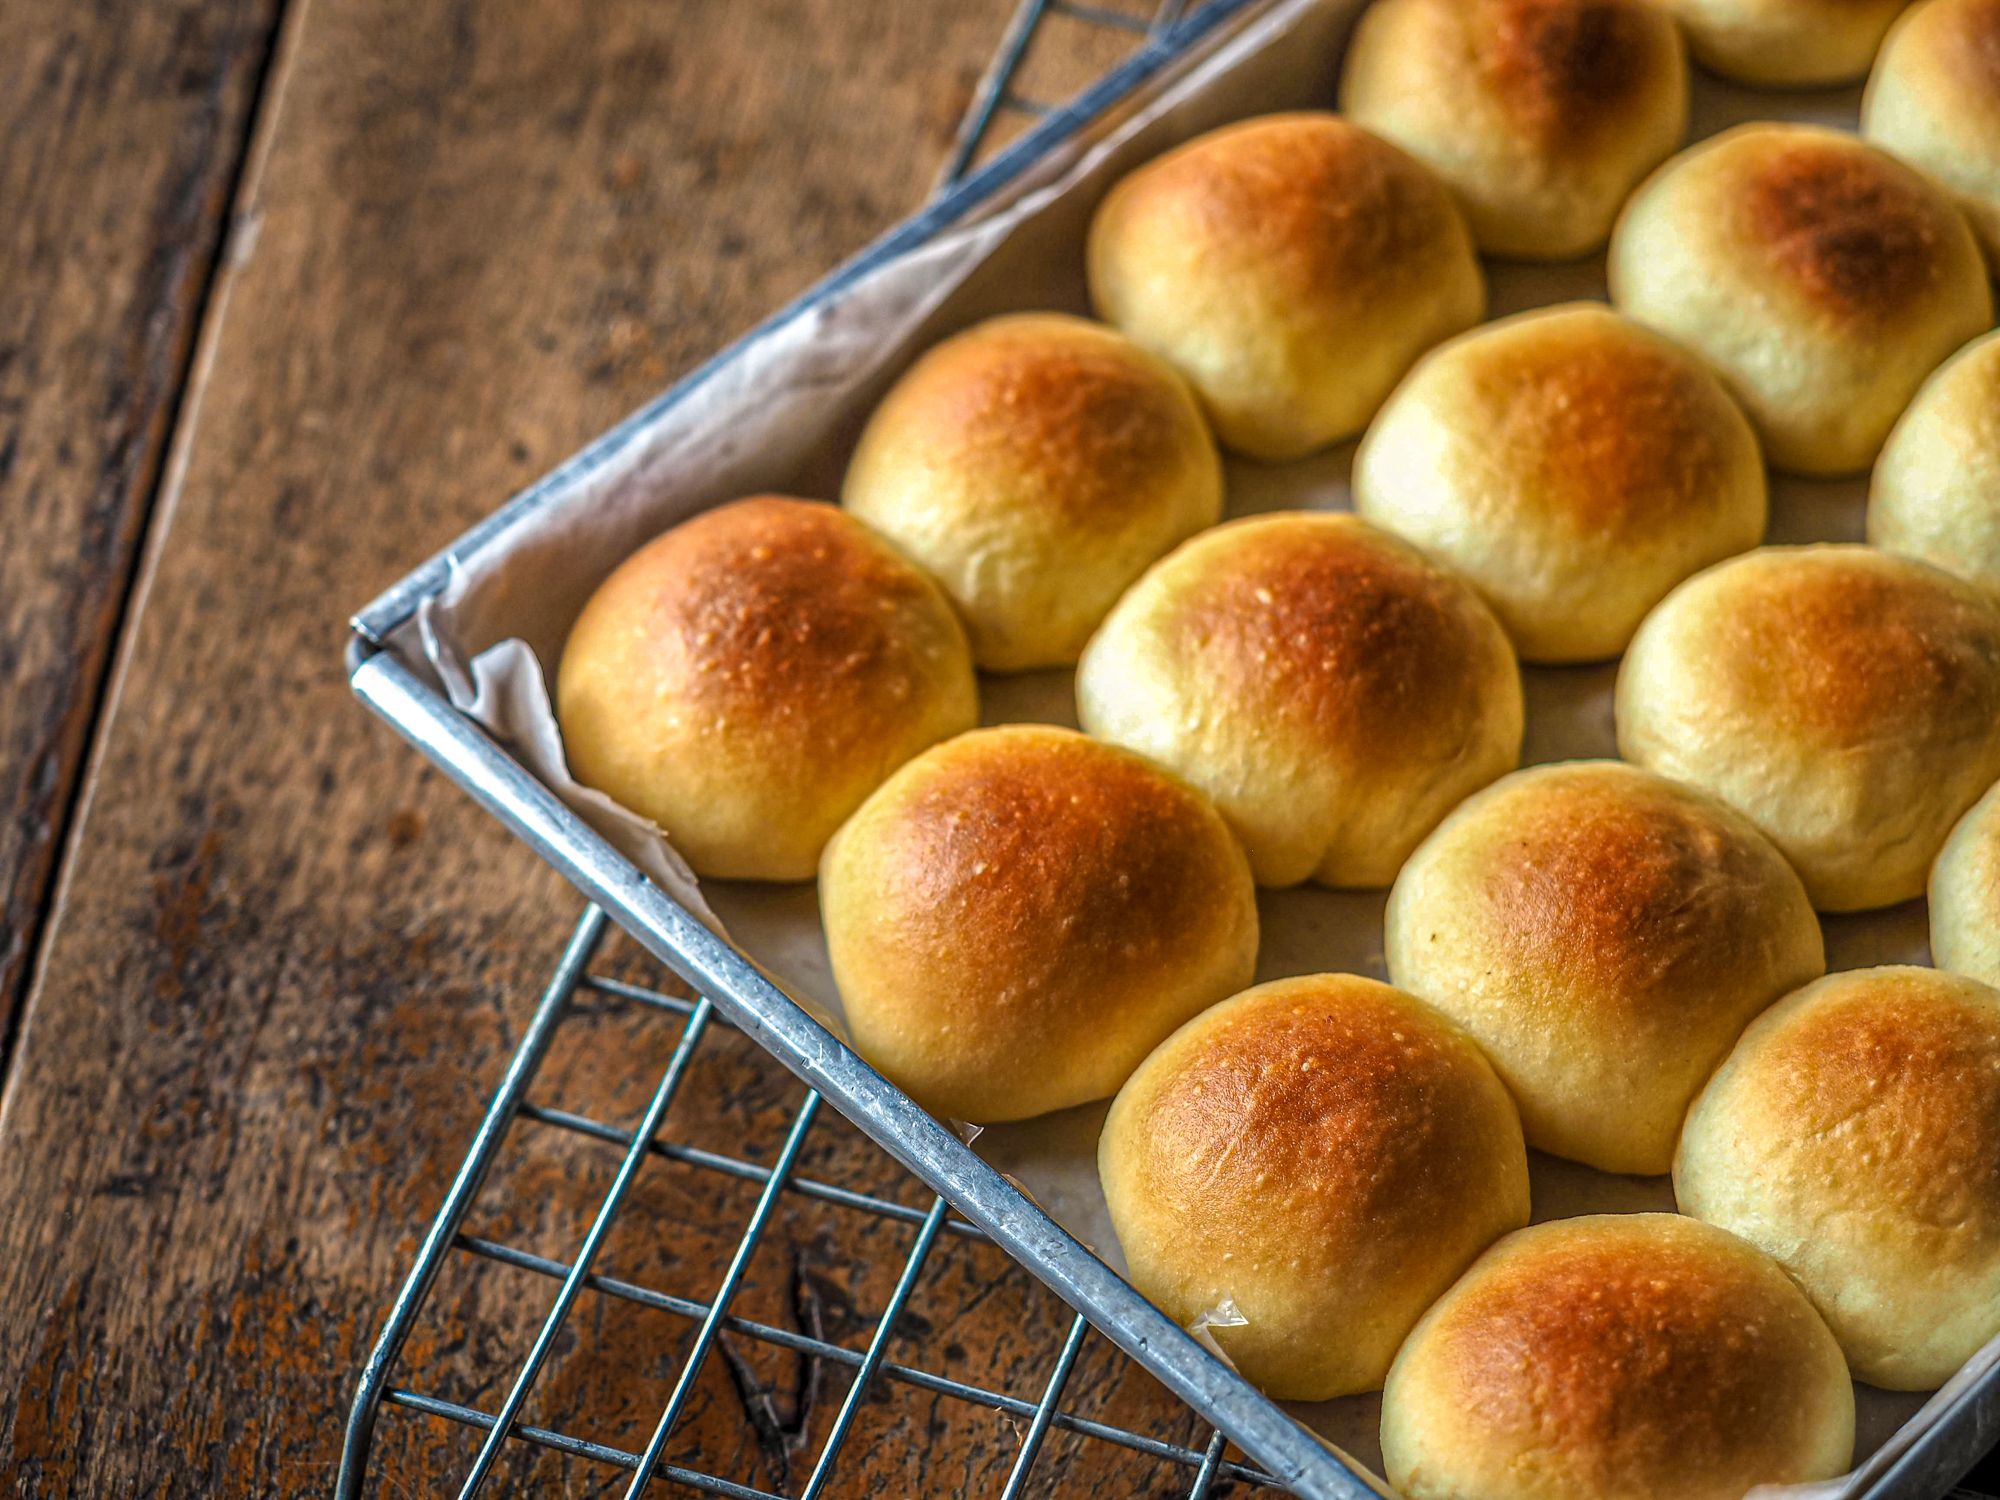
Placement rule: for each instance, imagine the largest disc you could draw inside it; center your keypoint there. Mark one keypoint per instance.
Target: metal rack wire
(1201, 1468)
(384, 1385)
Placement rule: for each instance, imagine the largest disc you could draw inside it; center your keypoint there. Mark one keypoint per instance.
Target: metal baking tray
(735, 989)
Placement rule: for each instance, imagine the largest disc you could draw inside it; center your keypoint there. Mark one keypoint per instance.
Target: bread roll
(1020, 915)
(1292, 267)
(1965, 894)
(1332, 691)
(1034, 465)
(1571, 464)
(1617, 1357)
(1541, 115)
(1936, 491)
(1605, 935)
(1854, 1133)
(745, 679)
(1786, 43)
(1326, 1154)
(1934, 100)
(1823, 280)
(1847, 702)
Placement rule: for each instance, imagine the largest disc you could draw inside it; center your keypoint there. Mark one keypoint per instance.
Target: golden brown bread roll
(1034, 465)
(1934, 100)
(1291, 267)
(1822, 278)
(1326, 1154)
(1019, 915)
(1936, 490)
(1332, 691)
(746, 678)
(1854, 1134)
(1965, 894)
(1541, 115)
(1572, 465)
(1846, 701)
(1786, 43)
(1616, 1357)
(1605, 935)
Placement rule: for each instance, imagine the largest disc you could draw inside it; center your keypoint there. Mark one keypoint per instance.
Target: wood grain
(286, 964)
(121, 129)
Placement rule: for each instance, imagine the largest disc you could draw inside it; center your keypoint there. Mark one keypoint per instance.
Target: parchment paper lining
(783, 417)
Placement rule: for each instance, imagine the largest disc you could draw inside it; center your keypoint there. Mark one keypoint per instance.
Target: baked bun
(1020, 915)
(1573, 466)
(1965, 894)
(1934, 100)
(1617, 1357)
(1854, 1133)
(1605, 935)
(1847, 702)
(1541, 115)
(1334, 692)
(1325, 1153)
(1822, 278)
(745, 679)
(1034, 465)
(1292, 267)
(1786, 43)
(1936, 491)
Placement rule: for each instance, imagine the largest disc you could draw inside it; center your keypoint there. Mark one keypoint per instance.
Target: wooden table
(291, 291)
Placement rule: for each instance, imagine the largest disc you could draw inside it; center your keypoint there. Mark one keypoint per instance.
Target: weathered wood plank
(121, 130)
(286, 964)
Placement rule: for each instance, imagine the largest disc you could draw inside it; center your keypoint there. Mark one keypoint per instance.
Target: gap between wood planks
(160, 471)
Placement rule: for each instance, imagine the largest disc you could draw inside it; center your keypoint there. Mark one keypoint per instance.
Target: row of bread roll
(1336, 1164)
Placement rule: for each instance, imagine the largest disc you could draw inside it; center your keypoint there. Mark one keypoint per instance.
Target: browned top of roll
(1615, 429)
(1854, 643)
(1345, 1096)
(1859, 235)
(1648, 1347)
(782, 613)
(1330, 627)
(1631, 883)
(1977, 23)
(1082, 421)
(1564, 67)
(1907, 1078)
(1307, 201)
(1014, 838)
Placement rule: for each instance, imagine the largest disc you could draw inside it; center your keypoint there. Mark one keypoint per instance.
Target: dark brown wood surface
(122, 128)
(280, 966)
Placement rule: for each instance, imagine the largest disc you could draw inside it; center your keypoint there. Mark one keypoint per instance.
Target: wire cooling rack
(391, 1384)
(951, 1373)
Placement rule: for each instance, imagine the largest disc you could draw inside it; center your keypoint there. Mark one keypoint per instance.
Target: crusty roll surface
(1617, 1357)
(1605, 935)
(1846, 701)
(1541, 115)
(746, 678)
(1821, 277)
(1292, 267)
(1854, 1134)
(1786, 43)
(1965, 894)
(1936, 489)
(1573, 466)
(1934, 101)
(1034, 465)
(1333, 691)
(1020, 915)
(1325, 1153)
